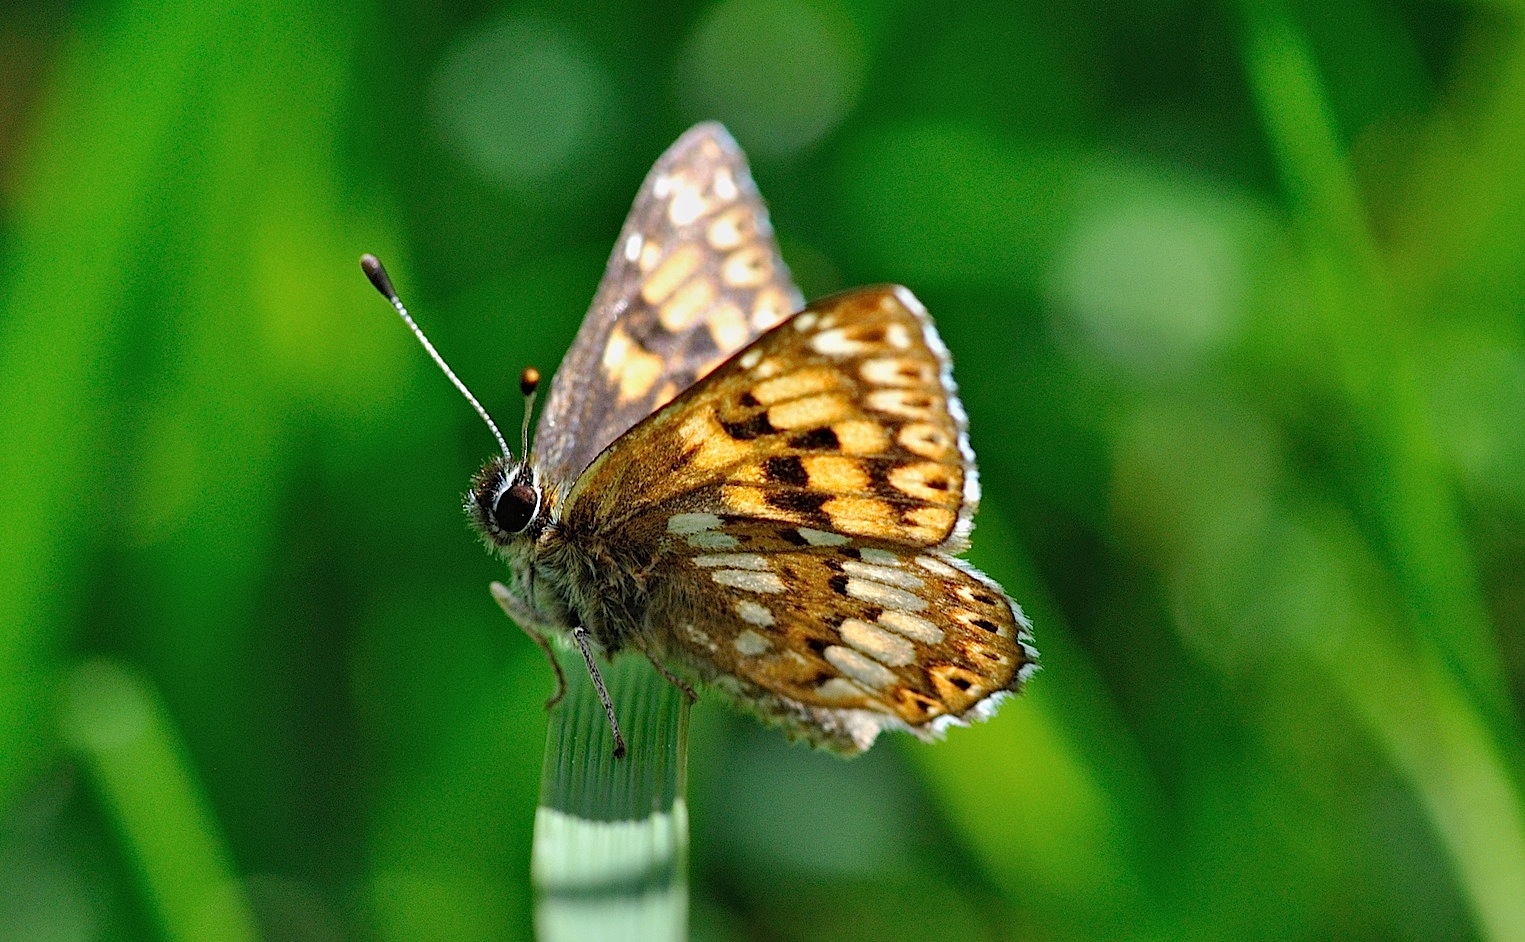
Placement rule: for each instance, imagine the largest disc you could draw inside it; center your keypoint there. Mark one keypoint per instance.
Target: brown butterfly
(766, 498)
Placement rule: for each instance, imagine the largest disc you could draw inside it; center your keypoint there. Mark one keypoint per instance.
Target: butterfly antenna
(371, 265)
(529, 384)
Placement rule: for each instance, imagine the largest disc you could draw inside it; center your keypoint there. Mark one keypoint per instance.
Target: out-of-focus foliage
(1237, 298)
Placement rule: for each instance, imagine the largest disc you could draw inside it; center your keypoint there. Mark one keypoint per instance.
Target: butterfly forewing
(694, 276)
(844, 420)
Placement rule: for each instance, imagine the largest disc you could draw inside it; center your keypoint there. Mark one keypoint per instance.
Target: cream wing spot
(861, 437)
(728, 326)
(687, 305)
(713, 540)
(839, 688)
(835, 474)
(912, 626)
(770, 307)
(750, 644)
(615, 348)
(878, 557)
(744, 501)
(651, 253)
(725, 184)
(712, 446)
(864, 516)
(936, 566)
(931, 522)
(688, 524)
(837, 343)
(637, 373)
(909, 403)
(633, 247)
(687, 205)
(750, 358)
(858, 666)
(883, 646)
(732, 560)
(764, 582)
(896, 371)
(928, 481)
(885, 596)
(821, 537)
(754, 613)
(697, 637)
(896, 577)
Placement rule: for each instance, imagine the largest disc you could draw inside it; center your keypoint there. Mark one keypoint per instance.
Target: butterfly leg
(580, 635)
(672, 678)
(524, 616)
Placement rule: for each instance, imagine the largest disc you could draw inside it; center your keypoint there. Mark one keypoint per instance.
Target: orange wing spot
(931, 523)
(711, 446)
(731, 228)
(926, 480)
(771, 306)
(812, 412)
(673, 271)
(925, 439)
(861, 516)
(728, 327)
(835, 474)
(916, 707)
(957, 686)
(636, 374)
(747, 267)
(651, 253)
(796, 385)
(687, 305)
(748, 501)
(861, 437)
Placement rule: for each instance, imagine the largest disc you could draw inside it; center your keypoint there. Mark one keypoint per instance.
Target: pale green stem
(610, 859)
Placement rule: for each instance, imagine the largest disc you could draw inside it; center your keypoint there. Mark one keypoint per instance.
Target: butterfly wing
(838, 643)
(694, 276)
(844, 419)
(803, 503)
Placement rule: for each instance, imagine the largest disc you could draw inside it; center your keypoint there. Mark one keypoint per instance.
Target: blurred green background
(1237, 297)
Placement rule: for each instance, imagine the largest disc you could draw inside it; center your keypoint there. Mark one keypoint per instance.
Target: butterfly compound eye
(514, 508)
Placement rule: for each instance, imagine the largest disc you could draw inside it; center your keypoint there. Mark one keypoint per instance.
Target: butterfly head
(506, 504)
(506, 501)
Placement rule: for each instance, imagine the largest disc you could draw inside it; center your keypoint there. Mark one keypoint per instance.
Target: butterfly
(764, 496)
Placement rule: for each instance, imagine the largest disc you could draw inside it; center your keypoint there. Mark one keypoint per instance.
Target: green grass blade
(611, 835)
(1373, 344)
(116, 723)
(1436, 726)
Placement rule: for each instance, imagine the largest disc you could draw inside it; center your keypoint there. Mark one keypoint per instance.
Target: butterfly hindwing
(694, 276)
(840, 641)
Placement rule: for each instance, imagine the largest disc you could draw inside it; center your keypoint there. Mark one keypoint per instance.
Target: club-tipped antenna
(529, 383)
(373, 269)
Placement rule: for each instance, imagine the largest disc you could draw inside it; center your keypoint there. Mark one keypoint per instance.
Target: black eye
(514, 507)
